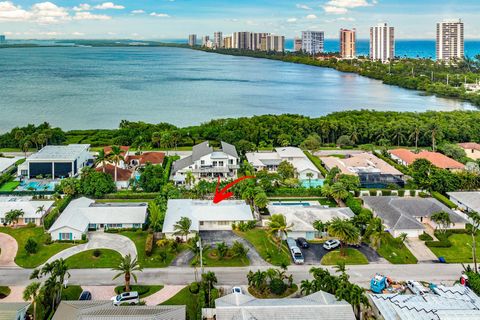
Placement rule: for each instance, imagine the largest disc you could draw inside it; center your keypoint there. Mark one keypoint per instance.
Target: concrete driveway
(8, 247)
(213, 237)
(314, 254)
(100, 240)
(418, 248)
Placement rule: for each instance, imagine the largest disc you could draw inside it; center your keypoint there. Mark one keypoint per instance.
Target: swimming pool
(312, 183)
(305, 204)
(37, 186)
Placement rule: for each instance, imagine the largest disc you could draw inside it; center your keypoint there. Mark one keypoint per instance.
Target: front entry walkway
(8, 247)
(163, 295)
(420, 250)
(100, 240)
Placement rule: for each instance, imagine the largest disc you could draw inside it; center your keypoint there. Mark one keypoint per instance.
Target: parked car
(416, 287)
(331, 244)
(297, 255)
(237, 290)
(126, 298)
(303, 243)
(85, 295)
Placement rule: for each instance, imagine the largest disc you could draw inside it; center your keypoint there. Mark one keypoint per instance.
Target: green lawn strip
(322, 201)
(45, 251)
(154, 260)
(353, 256)
(71, 292)
(395, 253)
(461, 249)
(265, 246)
(316, 161)
(86, 260)
(9, 186)
(185, 297)
(4, 292)
(270, 295)
(143, 291)
(211, 259)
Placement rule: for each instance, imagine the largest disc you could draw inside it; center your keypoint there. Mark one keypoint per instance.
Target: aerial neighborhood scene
(240, 160)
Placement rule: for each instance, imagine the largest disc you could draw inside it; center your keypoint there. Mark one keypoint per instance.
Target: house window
(2, 220)
(230, 161)
(29, 220)
(214, 163)
(24, 172)
(202, 161)
(65, 236)
(201, 223)
(114, 225)
(220, 163)
(223, 223)
(137, 225)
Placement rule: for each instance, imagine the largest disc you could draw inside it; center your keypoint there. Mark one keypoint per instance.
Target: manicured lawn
(85, 260)
(4, 292)
(185, 297)
(25, 260)
(396, 254)
(71, 293)
(143, 291)
(266, 247)
(270, 295)
(461, 249)
(211, 259)
(154, 261)
(353, 256)
(9, 186)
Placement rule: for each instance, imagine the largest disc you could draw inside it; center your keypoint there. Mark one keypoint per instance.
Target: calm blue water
(82, 88)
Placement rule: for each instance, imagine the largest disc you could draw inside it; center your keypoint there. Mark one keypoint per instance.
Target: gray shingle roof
(103, 310)
(229, 149)
(10, 310)
(400, 213)
(319, 305)
(200, 150)
(182, 163)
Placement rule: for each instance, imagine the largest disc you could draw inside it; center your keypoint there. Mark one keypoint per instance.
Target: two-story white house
(271, 160)
(207, 163)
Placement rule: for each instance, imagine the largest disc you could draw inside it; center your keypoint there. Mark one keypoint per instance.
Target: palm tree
(398, 135)
(260, 200)
(278, 227)
(25, 146)
(415, 134)
(31, 293)
(307, 287)
(337, 191)
(434, 131)
(101, 159)
(375, 233)
(182, 227)
(357, 298)
(189, 178)
(442, 219)
(209, 279)
(309, 176)
(12, 216)
(127, 268)
(156, 138)
(345, 231)
(472, 229)
(116, 156)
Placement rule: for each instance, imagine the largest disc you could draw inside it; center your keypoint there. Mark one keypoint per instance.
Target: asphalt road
(430, 272)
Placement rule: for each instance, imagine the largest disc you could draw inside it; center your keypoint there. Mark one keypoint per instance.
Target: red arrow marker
(223, 194)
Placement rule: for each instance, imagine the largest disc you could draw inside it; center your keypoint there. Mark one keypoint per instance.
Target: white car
(131, 298)
(237, 290)
(416, 287)
(331, 244)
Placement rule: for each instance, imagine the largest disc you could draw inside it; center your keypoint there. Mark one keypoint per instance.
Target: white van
(126, 298)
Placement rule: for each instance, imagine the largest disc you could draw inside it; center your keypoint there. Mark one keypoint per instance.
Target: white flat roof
(83, 211)
(468, 199)
(65, 153)
(302, 217)
(204, 210)
(290, 152)
(28, 207)
(6, 163)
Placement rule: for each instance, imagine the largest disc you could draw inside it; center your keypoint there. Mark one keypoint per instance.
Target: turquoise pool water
(312, 183)
(37, 186)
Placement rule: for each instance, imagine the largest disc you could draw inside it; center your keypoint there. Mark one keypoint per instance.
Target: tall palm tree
(442, 219)
(156, 138)
(127, 268)
(116, 156)
(182, 227)
(31, 293)
(12, 216)
(278, 227)
(189, 178)
(415, 135)
(261, 200)
(307, 287)
(309, 176)
(102, 158)
(472, 229)
(345, 231)
(25, 146)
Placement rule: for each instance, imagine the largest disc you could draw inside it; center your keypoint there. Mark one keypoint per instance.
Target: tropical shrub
(149, 244)
(31, 246)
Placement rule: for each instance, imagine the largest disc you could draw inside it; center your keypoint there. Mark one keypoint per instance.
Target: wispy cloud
(303, 6)
(160, 15)
(85, 15)
(109, 6)
(343, 6)
(137, 11)
(311, 17)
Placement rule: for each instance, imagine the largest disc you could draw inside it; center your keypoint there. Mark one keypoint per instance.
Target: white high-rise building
(241, 40)
(205, 40)
(274, 43)
(256, 40)
(450, 40)
(192, 40)
(382, 42)
(218, 39)
(313, 41)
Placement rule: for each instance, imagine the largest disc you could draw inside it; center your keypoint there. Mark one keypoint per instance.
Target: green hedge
(317, 163)
(167, 165)
(354, 204)
(440, 197)
(425, 237)
(53, 215)
(386, 193)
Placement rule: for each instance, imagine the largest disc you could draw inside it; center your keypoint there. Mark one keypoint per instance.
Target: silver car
(131, 298)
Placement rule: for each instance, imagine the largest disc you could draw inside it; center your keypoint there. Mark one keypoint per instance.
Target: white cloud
(78, 34)
(160, 15)
(291, 20)
(303, 6)
(109, 5)
(137, 11)
(82, 7)
(311, 17)
(47, 12)
(335, 10)
(85, 15)
(11, 12)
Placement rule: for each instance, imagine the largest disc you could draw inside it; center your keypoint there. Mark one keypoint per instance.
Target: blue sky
(167, 19)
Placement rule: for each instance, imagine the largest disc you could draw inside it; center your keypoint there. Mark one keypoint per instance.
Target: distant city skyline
(173, 19)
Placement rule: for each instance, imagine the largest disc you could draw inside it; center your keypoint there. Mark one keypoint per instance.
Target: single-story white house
(301, 217)
(271, 160)
(410, 215)
(84, 214)
(468, 201)
(205, 215)
(33, 211)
